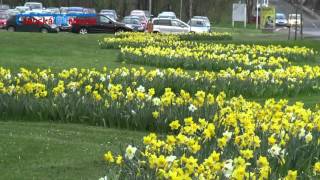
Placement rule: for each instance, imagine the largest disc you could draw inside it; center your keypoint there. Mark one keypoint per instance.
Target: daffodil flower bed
(143, 39)
(258, 83)
(173, 41)
(243, 140)
(190, 58)
(136, 40)
(213, 36)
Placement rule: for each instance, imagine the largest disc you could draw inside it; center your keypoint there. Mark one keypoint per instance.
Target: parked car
(110, 13)
(205, 18)
(97, 24)
(22, 9)
(52, 10)
(12, 12)
(3, 20)
(4, 7)
(29, 24)
(134, 22)
(75, 10)
(144, 15)
(90, 11)
(168, 25)
(199, 26)
(167, 14)
(34, 5)
(294, 19)
(281, 19)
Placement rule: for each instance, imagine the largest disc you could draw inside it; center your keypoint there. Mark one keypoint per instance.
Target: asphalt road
(311, 23)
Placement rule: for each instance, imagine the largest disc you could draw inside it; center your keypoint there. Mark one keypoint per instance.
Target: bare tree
(190, 8)
(250, 5)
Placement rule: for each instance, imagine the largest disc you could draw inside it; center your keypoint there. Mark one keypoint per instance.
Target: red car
(3, 20)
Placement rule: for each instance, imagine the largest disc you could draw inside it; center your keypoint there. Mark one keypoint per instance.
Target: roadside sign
(239, 13)
(268, 18)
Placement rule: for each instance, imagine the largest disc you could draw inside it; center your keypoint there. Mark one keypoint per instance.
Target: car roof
(197, 19)
(132, 17)
(167, 12)
(33, 3)
(160, 18)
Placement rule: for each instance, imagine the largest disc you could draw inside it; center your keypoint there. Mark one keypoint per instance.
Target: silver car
(199, 26)
(167, 14)
(168, 25)
(110, 13)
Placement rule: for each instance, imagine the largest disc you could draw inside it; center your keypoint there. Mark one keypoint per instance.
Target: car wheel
(83, 31)
(11, 29)
(44, 30)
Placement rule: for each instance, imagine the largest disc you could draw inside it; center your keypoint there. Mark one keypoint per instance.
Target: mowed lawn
(42, 150)
(57, 51)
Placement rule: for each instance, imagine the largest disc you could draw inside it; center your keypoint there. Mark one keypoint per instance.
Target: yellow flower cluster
(243, 140)
(194, 58)
(290, 81)
(134, 39)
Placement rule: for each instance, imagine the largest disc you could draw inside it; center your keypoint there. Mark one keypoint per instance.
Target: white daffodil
(141, 89)
(275, 150)
(130, 152)
(192, 108)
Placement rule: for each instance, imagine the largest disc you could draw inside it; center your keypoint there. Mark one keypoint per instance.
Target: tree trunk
(190, 8)
(250, 5)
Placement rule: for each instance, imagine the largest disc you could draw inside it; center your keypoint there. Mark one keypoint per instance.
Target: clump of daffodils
(240, 142)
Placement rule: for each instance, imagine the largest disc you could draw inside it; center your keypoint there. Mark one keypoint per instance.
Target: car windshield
(197, 23)
(164, 16)
(138, 13)
(280, 16)
(106, 19)
(107, 11)
(131, 21)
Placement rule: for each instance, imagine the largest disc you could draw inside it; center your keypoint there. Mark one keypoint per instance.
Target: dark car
(30, 24)
(97, 24)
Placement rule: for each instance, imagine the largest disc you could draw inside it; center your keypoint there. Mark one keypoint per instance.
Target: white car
(202, 17)
(281, 19)
(294, 19)
(168, 25)
(199, 26)
(34, 5)
(167, 14)
(22, 9)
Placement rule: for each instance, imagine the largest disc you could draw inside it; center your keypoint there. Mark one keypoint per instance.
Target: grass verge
(57, 151)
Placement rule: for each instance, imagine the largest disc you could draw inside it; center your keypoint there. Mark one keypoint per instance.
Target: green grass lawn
(57, 51)
(64, 151)
(57, 151)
